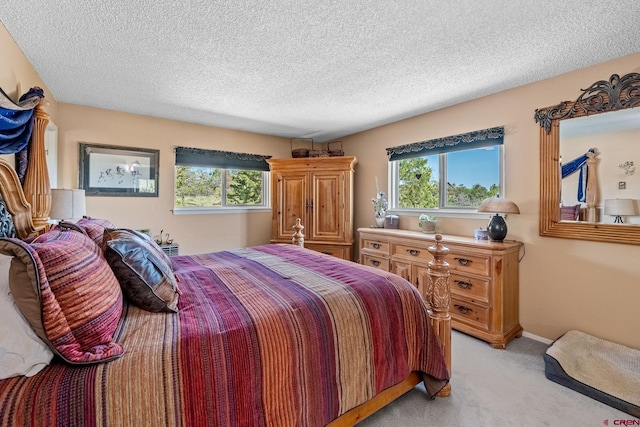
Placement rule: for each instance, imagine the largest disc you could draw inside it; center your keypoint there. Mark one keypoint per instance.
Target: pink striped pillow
(94, 228)
(79, 298)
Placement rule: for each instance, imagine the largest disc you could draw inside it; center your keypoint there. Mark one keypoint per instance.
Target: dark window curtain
(16, 125)
(465, 141)
(186, 156)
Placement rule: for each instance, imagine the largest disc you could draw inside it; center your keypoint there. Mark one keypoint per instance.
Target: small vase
(428, 227)
(379, 221)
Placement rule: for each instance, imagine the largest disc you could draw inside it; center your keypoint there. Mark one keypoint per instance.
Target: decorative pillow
(124, 233)
(94, 228)
(7, 228)
(570, 213)
(21, 351)
(65, 225)
(68, 293)
(142, 269)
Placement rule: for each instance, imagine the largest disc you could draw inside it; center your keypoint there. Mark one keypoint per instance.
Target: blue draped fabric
(578, 164)
(16, 125)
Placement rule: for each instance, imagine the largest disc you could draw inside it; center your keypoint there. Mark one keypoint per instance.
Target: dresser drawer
(377, 262)
(415, 253)
(470, 313)
(378, 246)
(477, 264)
(473, 288)
(483, 277)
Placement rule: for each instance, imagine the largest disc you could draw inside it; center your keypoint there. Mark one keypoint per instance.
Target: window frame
(237, 160)
(419, 150)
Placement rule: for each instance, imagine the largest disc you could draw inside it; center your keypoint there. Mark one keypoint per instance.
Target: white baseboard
(536, 337)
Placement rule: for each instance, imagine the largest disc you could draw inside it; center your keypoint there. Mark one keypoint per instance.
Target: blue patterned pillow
(7, 228)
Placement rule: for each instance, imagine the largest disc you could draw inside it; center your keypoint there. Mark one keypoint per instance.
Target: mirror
(593, 109)
(613, 136)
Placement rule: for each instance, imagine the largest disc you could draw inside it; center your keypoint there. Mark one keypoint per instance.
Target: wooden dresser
(484, 277)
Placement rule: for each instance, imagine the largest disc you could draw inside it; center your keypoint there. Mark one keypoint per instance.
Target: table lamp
(497, 228)
(67, 204)
(619, 208)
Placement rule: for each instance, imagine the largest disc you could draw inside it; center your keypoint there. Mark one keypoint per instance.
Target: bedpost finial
(298, 237)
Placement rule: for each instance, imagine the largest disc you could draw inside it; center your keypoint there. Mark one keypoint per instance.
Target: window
(212, 179)
(452, 173)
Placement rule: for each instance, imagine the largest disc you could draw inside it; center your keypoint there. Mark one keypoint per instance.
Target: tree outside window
(451, 180)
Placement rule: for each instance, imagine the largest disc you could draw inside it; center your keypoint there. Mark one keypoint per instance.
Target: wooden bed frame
(30, 206)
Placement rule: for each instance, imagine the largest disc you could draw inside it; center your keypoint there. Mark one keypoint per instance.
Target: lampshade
(497, 228)
(619, 208)
(498, 205)
(67, 203)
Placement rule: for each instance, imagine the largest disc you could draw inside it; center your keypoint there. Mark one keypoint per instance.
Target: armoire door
(328, 206)
(291, 203)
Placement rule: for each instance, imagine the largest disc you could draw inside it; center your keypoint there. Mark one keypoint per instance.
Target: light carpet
(493, 387)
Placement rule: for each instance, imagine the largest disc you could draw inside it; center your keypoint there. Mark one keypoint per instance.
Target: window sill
(442, 213)
(219, 210)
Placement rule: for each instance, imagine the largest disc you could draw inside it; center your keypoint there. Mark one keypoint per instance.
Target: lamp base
(618, 220)
(497, 228)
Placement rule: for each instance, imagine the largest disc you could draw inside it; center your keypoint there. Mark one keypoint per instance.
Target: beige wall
(16, 73)
(564, 284)
(194, 233)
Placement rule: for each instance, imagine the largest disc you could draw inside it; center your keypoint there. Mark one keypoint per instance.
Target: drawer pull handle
(375, 263)
(463, 261)
(463, 285)
(413, 252)
(376, 245)
(462, 309)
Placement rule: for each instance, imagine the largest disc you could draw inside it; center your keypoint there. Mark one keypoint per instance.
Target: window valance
(186, 156)
(465, 141)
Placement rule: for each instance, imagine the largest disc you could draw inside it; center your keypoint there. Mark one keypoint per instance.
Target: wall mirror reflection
(614, 138)
(599, 132)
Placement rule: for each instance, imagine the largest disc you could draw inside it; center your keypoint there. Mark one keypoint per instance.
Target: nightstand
(170, 249)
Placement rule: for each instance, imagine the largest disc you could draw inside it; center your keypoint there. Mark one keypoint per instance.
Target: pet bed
(603, 370)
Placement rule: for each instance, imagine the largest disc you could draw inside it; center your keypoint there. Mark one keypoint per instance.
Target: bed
(269, 335)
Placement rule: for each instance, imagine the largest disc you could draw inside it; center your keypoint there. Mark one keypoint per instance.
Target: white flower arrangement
(380, 204)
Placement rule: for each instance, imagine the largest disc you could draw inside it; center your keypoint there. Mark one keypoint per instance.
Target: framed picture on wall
(110, 170)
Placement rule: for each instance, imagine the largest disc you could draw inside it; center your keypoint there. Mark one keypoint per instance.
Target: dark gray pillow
(146, 279)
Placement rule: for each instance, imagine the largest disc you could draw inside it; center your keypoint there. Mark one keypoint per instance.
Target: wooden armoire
(318, 190)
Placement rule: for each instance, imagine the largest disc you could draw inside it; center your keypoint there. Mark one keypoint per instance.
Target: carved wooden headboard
(16, 203)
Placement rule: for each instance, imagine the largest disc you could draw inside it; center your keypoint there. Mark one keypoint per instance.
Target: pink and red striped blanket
(274, 335)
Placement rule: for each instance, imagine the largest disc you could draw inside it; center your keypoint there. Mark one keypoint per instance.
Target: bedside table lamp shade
(67, 204)
(619, 208)
(497, 228)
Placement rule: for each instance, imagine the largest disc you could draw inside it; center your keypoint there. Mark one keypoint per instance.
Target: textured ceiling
(317, 69)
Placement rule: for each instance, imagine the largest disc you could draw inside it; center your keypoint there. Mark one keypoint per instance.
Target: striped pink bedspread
(274, 335)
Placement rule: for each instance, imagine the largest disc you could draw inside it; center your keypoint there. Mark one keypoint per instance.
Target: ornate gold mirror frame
(603, 96)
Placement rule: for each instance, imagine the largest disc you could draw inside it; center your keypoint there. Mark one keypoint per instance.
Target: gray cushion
(144, 275)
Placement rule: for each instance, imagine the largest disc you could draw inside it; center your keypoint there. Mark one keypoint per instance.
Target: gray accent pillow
(144, 275)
